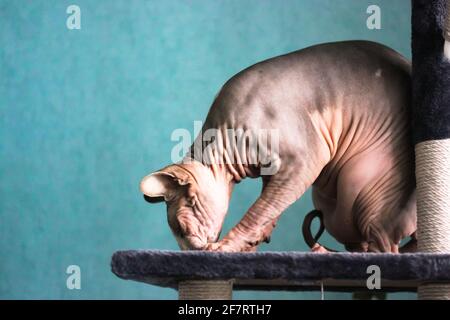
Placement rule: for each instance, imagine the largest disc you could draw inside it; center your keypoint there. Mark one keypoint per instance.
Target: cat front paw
(229, 245)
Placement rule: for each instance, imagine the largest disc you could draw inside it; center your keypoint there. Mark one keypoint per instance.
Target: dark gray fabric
(166, 268)
(430, 72)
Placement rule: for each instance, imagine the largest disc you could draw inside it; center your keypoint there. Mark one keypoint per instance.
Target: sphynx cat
(342, 114)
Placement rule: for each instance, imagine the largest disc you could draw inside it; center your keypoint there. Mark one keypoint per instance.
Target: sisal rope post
(433, 207)
(433, 191)
(205, 290)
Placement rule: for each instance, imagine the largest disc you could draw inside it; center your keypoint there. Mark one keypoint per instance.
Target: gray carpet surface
(166, 268)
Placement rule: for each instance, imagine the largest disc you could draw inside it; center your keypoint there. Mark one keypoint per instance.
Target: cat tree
(210, 275)
(431, 127)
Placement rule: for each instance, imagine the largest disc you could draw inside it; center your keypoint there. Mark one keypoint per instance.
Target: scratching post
(431, 124)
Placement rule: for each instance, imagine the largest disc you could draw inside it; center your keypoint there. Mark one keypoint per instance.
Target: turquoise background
(85, 114)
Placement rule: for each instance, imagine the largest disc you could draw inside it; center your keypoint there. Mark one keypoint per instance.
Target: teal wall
(85, 114)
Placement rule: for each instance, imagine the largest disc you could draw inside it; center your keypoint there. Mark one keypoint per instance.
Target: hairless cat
(341, 112)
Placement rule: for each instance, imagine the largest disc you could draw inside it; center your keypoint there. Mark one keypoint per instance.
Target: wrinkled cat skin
(342, 111)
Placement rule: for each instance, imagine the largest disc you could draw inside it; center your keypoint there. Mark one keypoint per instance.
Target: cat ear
(159, 186)
(164, 184)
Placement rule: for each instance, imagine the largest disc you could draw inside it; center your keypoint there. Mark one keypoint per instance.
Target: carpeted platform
(282, 270)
